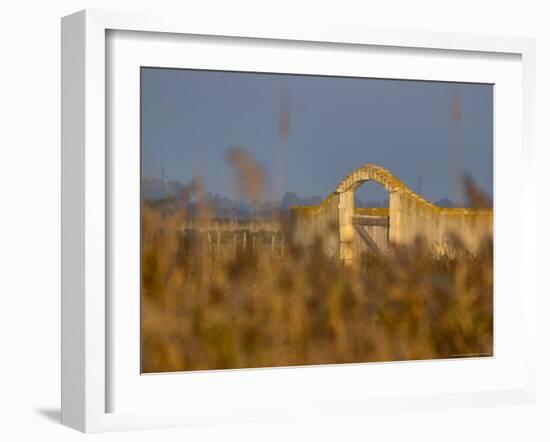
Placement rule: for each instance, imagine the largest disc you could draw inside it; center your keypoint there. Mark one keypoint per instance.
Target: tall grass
(201, 310)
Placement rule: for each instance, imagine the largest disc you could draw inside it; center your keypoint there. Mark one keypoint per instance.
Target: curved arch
(382, 176)
(370, 172)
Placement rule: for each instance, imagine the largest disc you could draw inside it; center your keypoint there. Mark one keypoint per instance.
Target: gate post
(396, 218)
(346, 205)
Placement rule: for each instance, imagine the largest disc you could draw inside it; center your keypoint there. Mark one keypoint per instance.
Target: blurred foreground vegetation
(255, 308)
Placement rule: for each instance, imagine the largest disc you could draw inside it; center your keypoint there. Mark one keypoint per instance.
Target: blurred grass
(202, 310)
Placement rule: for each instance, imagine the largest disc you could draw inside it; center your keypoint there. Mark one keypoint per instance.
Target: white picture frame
(85, 203)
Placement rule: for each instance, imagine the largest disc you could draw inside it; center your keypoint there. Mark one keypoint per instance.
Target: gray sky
(431, 131)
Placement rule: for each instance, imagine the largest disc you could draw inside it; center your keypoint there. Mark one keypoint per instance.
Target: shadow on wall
(51, 414)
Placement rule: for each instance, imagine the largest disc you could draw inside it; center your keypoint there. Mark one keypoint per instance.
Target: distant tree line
(172, 194)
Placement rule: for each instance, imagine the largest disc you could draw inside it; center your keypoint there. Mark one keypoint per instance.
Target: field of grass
(254, 308)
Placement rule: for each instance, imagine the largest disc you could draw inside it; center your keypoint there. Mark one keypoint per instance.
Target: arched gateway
(346, 231)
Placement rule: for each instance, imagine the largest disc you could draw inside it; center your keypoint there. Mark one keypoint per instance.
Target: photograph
(302, 220)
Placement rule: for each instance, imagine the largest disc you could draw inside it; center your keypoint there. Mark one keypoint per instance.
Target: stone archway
(346, 202)
(409, 216)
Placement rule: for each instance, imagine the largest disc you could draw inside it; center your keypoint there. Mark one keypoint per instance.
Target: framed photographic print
(270, 222)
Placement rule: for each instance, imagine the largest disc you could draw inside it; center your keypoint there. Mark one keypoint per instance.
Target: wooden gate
(372, 233)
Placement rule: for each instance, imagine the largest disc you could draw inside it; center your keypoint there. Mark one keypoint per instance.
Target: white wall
(30, 221)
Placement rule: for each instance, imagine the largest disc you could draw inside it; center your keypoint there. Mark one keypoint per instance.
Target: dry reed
(255, 308)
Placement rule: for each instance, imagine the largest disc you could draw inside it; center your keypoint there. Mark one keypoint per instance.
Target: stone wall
(310, 224)
(410, 216)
